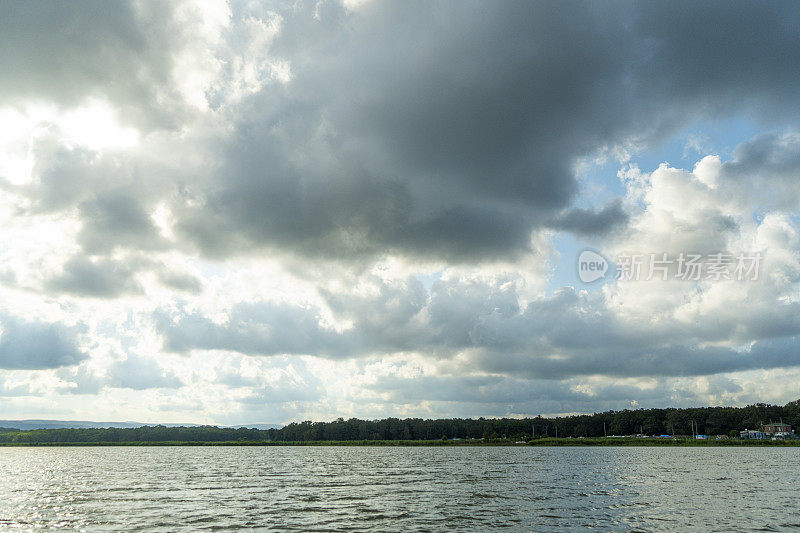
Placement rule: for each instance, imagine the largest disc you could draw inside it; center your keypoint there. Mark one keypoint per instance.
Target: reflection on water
(376, 488)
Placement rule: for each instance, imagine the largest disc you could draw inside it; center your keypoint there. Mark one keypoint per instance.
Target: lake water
(400, 489)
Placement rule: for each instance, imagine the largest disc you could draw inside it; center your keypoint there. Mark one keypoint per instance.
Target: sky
(265, 212)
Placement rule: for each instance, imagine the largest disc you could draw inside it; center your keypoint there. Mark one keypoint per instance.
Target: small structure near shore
(752, 434)
(779, 430)
(773, 430)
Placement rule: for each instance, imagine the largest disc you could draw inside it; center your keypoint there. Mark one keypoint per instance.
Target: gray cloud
(120, 50)
(80, 380)
(470, 396)
(34, 345)
(180, 281)
(10, 389)
(434, 130)
(589, 223)
(98, 278)
(286, 392)
(257, 329)
(569, 334)
(104, 277)
(430, 130)
(766, 169)
(117, 220)
(671, 360)
(139, 373)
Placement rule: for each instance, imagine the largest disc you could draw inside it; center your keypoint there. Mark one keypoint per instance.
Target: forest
(726, 421)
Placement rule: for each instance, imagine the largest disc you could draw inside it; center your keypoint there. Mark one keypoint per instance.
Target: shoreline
(543, 442)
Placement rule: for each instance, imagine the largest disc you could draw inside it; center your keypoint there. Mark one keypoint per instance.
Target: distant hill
(85, 424)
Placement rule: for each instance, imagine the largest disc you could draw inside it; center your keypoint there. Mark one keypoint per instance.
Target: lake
(400, 488)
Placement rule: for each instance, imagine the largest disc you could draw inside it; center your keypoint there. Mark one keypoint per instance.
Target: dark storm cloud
(34, 345)
(451, 130)
(436, 130)
(721, 53)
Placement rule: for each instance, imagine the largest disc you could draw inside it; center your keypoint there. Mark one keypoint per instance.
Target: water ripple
(394, 488)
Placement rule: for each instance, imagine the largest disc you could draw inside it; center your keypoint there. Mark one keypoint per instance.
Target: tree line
(708, 420)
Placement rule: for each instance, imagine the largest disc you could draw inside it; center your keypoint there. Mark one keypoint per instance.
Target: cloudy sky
(263, 212)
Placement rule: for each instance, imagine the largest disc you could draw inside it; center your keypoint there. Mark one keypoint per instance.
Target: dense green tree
(709, 420)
